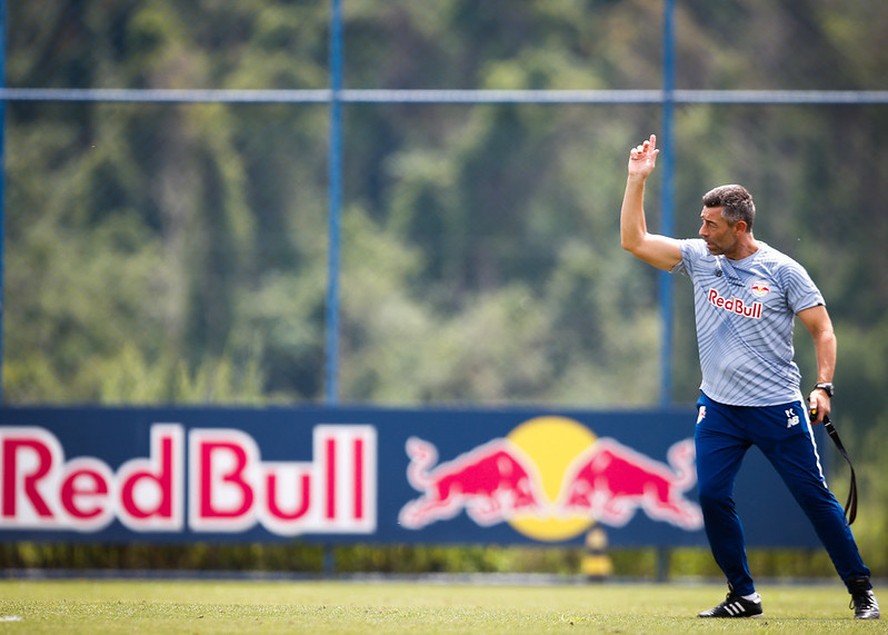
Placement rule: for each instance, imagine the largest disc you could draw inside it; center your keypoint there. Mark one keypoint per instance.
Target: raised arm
(659, 251)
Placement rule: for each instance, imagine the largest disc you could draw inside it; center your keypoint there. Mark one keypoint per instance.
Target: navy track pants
(783, 434)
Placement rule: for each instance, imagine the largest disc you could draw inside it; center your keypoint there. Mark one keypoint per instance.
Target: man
(746, 296)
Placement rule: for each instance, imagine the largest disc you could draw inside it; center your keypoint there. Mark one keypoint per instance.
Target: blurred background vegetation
(176, 253)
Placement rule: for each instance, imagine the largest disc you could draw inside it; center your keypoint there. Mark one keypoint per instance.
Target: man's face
(721, 238)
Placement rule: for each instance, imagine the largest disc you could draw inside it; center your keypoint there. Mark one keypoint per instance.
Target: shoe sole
(730, 617)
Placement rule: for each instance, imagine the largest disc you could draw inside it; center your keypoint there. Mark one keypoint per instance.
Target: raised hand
(643, 158)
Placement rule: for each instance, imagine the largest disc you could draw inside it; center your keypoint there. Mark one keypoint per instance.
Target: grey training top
(745, 311)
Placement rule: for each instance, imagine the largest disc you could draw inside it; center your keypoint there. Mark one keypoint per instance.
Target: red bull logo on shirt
(551, 478)
(735, 305)
(760, 288)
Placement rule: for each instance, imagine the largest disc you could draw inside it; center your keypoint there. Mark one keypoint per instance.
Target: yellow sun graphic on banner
(552, 443)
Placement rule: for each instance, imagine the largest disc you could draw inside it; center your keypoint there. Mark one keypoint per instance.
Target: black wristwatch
(826, 387)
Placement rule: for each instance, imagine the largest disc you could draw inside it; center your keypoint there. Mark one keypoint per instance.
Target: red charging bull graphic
(612, 482)
(603, 482)
(492, 483)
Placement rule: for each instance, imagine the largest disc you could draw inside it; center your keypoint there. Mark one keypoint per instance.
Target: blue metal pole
(334, 204)
(2, 181)
(667, 156)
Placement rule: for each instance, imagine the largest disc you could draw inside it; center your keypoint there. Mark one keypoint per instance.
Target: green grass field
(102, 606)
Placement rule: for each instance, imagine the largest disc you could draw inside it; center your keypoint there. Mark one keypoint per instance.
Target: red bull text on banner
(230, 489)
(334, 475)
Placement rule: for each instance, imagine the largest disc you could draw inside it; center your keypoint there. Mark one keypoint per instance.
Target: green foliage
(480, 255)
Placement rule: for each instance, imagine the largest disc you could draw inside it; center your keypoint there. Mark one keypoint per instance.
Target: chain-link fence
(171, 196)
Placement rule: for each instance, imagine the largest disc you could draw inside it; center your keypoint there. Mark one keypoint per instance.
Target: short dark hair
(736, 203)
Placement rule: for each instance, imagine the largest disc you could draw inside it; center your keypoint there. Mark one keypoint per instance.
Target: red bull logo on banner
(551, 478)
(230, 487)
(371, 475)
